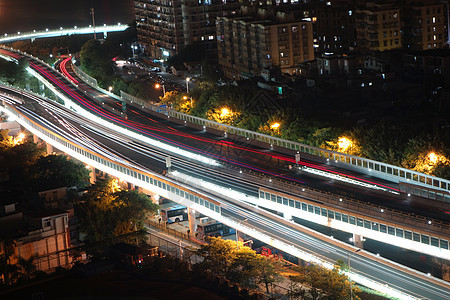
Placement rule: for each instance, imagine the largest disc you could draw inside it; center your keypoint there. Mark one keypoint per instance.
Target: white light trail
(346, 179)
(69, 103)
(60, 32)
(288, 248)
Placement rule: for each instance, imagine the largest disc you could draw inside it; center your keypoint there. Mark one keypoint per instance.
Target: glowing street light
(110, 89)
(433, 157)
(186, 97)
(344, 143)
(157, 86)
(224, 112)
(275, 126)
(187, 84)
(19, 138)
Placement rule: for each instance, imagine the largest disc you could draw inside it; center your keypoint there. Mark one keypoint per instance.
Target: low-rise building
(425, 64)
(41, 235)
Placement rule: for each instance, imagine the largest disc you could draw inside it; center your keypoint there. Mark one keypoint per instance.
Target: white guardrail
(435, 187)
(438, 188)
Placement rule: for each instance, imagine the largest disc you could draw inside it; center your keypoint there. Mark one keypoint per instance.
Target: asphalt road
(289, 233)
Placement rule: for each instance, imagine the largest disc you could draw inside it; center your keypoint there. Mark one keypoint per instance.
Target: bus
(173, 214)
(213, 228)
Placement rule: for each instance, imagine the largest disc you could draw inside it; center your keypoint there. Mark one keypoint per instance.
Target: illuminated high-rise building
(164, 27)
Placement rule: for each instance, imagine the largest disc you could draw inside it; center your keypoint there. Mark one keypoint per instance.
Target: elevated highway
(108, 150)
(48, 33)
(231, 178)
(380, 216)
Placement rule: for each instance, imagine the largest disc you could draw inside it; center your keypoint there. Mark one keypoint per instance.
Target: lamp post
(237, 236)
(348, 256)
(93, 22)
(164, 88)
(187, 84)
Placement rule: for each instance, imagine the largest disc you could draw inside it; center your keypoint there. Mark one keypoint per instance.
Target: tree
(267, 271)
(53, 171)
(6, 141)
(118, 85)
(8, 272)
(218, 256)
(132, 211)
(95, 59)
(322, 281)
(26, 267)
(244, 266)
(21, 157)
(296, 291)
(107, 212)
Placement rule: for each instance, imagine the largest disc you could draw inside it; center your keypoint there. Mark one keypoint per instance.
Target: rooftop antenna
(93, 22)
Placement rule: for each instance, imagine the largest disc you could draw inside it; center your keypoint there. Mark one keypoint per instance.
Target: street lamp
(186, 97)
(157, 86)
(348, 256)
(187, 84)
(275, 125)
(110, 89)
(344, 143)
(224, 112)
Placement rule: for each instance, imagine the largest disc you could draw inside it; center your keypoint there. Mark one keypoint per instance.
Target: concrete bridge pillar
(49, 149)
(358, 241)
(192, 223)
(35, 139)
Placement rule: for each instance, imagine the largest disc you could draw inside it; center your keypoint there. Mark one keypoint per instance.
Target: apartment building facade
(378, 26)
(164, 27)
(424, 24)
(254, 42)
(333, 24)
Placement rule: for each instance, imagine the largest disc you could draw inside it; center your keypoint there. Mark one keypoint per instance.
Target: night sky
(25, 15)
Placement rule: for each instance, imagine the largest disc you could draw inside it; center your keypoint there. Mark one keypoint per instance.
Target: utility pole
(93, 22)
